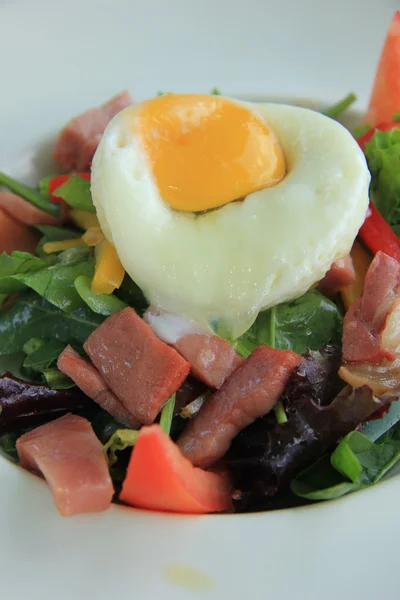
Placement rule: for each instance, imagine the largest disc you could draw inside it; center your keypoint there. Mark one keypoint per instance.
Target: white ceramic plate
(59, 58)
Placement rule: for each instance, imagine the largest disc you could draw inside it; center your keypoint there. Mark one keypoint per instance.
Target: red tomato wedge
(159, 477)
(385, 97)
(57, 181)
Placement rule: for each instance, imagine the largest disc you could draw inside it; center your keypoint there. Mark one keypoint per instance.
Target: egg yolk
(206, 151)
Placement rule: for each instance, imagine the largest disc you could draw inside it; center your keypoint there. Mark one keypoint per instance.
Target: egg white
(228, 264)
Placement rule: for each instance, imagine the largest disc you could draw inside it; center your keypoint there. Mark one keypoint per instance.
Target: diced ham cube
(79, 139)
(212, 359)
(71, 459)
(139, 368)
(89, 380)
(251, 392)
(339, 276)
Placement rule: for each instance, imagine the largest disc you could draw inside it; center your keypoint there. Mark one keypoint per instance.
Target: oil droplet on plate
(188, 577)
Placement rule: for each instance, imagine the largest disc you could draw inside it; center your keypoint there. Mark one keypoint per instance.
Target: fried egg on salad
(220, 208)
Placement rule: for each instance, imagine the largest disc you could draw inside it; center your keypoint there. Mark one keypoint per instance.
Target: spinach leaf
(356, 463)
(8, 445)
(57, 234)
(56, 379)
(42, 353)
(56, 282)
(321, 482)
(306, 323)
(103, 304)
(32, 316)
(76, 193)
(17, 263)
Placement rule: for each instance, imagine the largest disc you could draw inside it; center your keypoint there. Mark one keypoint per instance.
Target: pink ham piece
(71, 459)
(89, 380)
(339, 276)
(24, 211)
(79, 139)
(251, 392)
(212, 359)
(364, 336)
(141, 370)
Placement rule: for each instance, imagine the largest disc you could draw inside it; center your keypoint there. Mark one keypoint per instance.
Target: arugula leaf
(103, 304)
(12, 363)
(356, 463)
(29, 194)
(56, 282)
(76, 193)
(337, 109)
(32, 316)
(383, 157)
(16, 264)
(120, 440)
(309, 322)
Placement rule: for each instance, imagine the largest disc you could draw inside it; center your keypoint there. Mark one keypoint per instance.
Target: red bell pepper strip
(159, 477)
(377, 234)
(57, 181)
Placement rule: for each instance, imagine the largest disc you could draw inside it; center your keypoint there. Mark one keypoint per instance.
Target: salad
(201, 314)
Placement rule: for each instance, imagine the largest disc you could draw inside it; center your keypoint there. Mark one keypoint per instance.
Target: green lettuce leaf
(311, 321)
(383, 156)
(31, 316)
(120, 440)
(76, 193)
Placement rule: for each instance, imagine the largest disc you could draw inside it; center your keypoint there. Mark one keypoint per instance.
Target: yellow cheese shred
(50, 247)
(93, 236)
(109, 271)
(83, 219)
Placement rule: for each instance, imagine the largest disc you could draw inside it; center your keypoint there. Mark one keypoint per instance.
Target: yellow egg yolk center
(206, 151)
